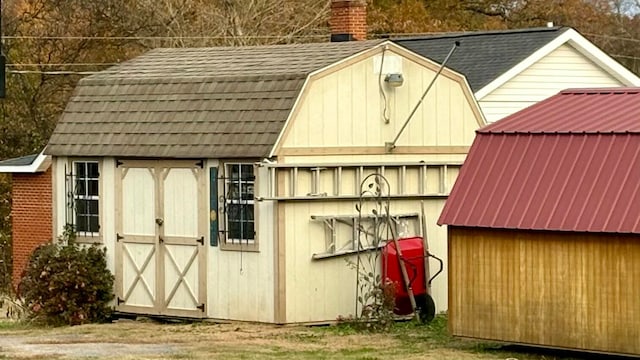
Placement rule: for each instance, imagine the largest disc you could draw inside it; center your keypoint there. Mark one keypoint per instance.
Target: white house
(510, 70)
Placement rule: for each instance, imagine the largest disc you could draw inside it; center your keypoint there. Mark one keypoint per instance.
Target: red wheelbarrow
(414, 259)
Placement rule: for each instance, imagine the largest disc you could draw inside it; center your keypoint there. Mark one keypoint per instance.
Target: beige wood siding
(567, 290)
(563, 68)
(60, 164)
(240, 283)
(345, 108)
(321, 290)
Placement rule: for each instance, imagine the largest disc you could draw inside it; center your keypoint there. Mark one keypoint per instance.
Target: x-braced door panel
(160, 253)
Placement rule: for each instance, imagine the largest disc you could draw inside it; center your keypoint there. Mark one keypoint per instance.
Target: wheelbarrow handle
(439, 271)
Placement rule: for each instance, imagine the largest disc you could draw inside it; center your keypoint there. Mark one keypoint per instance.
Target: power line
(39, 37)
(625, 56)
(60, 64)
(613, 37)
(62, 72)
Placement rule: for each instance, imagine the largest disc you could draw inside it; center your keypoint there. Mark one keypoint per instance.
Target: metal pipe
(391, 145)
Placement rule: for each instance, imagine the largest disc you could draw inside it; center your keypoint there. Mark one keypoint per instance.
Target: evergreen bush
(67, 284)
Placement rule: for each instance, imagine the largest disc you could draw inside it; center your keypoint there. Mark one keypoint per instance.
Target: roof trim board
(581, 44)
(41, 163)
(387, 45)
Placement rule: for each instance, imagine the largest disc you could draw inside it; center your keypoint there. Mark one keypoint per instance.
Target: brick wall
(31, 213)
(349, 17)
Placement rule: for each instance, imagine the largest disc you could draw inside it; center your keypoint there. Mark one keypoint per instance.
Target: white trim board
(41, 163)
(580, 43)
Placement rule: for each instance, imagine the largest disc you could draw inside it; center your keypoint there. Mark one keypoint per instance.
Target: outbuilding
(222, 181)
(544, 226)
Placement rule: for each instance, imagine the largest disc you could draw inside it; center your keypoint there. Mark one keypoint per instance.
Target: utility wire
(39, 37)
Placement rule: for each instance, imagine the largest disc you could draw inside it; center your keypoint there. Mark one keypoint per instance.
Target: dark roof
(192, 103)
(19, 161)
(532, 171)
(485, 55)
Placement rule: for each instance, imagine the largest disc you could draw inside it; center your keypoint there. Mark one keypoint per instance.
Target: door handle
(159, 221)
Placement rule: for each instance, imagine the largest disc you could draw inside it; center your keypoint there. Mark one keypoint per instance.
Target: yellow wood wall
(345, 108)
(567, 290)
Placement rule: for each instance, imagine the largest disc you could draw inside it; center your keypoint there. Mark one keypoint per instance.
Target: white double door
(160, 249)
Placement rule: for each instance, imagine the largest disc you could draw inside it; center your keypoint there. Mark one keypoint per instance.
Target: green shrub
(67, 283)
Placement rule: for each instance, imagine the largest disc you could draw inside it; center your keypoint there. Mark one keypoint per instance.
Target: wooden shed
(509, 70)
(544, 226)
(220, 179)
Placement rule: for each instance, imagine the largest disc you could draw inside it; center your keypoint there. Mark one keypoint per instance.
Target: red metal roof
(562, 164)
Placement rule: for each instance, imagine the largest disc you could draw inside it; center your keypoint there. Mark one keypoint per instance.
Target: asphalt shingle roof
(224, 102)
(482, 56)
(19, 161)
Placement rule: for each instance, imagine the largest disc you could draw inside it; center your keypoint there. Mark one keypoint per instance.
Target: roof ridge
(270, 46)
(444, 35)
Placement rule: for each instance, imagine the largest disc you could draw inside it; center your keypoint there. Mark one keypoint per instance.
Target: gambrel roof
(223, 102)
(568, 163)
(490, 58)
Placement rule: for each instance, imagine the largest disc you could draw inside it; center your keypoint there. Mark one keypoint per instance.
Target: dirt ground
(153, 340)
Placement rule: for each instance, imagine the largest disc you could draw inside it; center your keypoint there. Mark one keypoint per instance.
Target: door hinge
(120, 300)
(201, 307)
(119, 237)
(201, 240)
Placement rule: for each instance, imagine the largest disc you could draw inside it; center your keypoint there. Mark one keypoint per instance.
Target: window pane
(234, 230)
(80, 188)
(248, 231)
(81, 169)
(93, 207)
(81, 207)
(232, 192)
(93, 224)
(247, 191)
(82, 223)
(92, 170)
(247, 172)
(93, 187)
(247, 212)
(234, 169)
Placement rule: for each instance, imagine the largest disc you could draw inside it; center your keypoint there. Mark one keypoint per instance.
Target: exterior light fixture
(394, 80)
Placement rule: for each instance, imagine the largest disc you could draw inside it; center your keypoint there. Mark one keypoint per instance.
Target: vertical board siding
(562, 69)
(568, 290)
(346, 108)
(321, 290)
(241, 283)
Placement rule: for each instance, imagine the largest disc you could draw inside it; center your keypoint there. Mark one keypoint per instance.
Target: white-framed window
(86, 198)
(239, 204)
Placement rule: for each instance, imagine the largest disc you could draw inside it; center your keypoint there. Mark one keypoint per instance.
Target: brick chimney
(348, 20)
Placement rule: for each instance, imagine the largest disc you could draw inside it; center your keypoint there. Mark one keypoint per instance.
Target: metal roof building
(550, 166)
(544, 226)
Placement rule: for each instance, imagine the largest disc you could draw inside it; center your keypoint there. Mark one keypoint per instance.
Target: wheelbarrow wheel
(426, 307)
